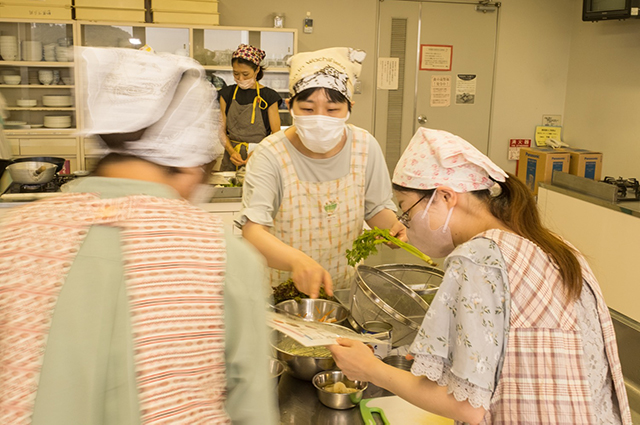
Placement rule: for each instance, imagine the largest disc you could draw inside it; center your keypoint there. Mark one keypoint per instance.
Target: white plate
(15, 123)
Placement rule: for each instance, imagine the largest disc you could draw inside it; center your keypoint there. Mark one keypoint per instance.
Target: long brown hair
(516, 208)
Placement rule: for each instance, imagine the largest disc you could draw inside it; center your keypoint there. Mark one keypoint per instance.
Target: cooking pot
(4, 163)
(32, 172)
(59, 162)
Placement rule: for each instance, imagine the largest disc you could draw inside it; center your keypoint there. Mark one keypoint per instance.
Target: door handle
(422, 119)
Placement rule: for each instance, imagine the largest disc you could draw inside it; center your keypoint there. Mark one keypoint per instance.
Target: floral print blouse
(463, 336)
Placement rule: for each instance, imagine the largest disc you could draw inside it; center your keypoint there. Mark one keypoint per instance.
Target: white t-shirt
(263, 185)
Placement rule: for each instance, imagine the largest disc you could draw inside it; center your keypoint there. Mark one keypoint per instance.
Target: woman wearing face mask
(310, 188)
(249, 109)
(518, 331)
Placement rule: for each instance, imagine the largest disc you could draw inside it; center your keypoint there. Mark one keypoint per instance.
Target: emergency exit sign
(515, 145)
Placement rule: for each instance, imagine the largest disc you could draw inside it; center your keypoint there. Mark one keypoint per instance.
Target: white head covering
(336, 68)
(437, 158)
(130, 90)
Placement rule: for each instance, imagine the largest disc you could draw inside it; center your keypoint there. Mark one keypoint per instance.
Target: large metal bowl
(32, 172)
(315, 310)
(337, 400)
(301, 367)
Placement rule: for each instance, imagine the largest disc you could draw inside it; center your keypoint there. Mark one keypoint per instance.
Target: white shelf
(228, 68)
(38, 64)
(34, 86)
(44, 108)
(39, 131)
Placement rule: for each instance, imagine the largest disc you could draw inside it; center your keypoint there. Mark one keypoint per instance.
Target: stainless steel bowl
(313, 310)
(336, 400)
(400, 362)
(276, 368)
(32, 172)
(301, 367)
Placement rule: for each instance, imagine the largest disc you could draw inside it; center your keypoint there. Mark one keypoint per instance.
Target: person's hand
(236, 159)
(399, 231)
(355, 359)
(309, 276)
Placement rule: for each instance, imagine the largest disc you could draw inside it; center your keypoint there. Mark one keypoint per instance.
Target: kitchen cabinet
(27, 130)
(37, 79)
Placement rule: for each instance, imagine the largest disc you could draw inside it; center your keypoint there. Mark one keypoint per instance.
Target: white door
(446, 54)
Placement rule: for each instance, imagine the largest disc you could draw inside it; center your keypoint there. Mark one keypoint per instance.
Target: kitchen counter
(626, 207)
(299, 404)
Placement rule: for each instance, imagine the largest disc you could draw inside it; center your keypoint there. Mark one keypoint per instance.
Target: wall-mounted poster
(436, 57)
(466, 89)
(388, 73)
(440, 90)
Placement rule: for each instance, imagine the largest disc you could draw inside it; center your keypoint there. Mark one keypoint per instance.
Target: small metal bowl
(336, 400)
(276, 368)
(312, 310)
(301, 367)
(399, 362)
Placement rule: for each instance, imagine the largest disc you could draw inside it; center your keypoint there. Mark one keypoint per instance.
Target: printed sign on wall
(466, 89)
(435, 57)
(388, 73)
(440, 90)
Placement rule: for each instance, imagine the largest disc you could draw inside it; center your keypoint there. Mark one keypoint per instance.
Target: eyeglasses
(404, 218)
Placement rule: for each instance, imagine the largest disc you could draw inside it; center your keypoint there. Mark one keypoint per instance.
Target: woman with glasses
(518, 332)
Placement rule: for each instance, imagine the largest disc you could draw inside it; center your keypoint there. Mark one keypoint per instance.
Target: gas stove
(628, 189)
(17, 192)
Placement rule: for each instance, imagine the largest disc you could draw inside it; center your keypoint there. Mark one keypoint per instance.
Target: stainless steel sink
(628, 337)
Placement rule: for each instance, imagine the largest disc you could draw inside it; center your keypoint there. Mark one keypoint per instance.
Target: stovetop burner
(628, 189)
(52, 186)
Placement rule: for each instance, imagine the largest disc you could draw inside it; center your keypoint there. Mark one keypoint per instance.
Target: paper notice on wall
(440, 90)
(546, 132)
(515, 145)
(388, 73)
(552, 120)
(435, 57)
(466, 89)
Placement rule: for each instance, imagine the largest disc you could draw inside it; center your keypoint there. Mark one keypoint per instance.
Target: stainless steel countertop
(626, 207)
(299, 404)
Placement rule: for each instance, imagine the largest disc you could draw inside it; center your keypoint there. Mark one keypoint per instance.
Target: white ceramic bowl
(68, 81)
(26, 103)
(11, 79)
(57, 121)
(56, 100)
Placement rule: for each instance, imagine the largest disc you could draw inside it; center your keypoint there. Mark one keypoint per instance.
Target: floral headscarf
(437, 158)
(250, 53)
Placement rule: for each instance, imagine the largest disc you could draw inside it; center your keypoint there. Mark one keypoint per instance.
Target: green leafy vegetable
(366, 244)
(288, 291)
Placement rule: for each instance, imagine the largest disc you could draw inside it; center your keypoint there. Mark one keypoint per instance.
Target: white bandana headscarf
(336, 68)
(436, 158)
(129, 90)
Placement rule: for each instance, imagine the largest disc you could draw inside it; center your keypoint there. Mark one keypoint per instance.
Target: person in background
(518, 332)
(249, 109)
(120, 302)
(309, 189)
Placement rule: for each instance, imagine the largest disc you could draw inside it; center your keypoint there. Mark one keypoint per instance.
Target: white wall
(337, 23)
(531, 72)
(546, 58)
(602, 110)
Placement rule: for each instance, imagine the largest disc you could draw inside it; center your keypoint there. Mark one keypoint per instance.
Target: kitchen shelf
(229, 69)
(34, 86)
(39, 131)
(44, 108)
(38, 64)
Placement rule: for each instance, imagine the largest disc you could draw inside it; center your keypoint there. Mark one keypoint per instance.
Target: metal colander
(424, 280)
(378, 296)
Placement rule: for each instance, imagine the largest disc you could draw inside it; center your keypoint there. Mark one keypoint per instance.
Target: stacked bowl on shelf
(57, 121)
(9, 47)
(50, 52)
(32, 51)
(56, 100)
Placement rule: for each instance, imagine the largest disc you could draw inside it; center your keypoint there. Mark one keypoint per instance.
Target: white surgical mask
(435, 243)
(319, 133)
(246, 84)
